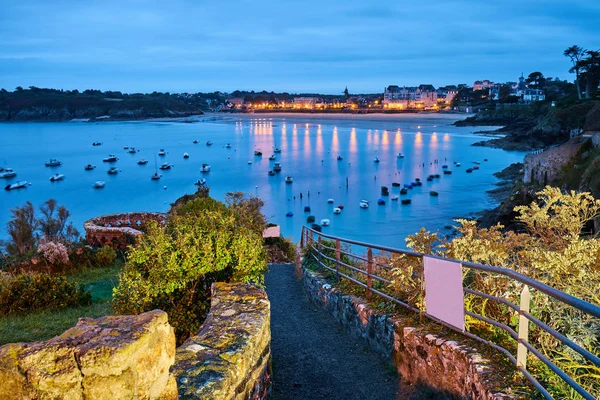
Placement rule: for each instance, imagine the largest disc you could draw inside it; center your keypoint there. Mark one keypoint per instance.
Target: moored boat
(271, 173)
(162, 152)
(337, 210)
(165, 166)
(394, 197)
(433, 193)
(400, 155)
(406, 201)
(381, 202)
(228, 146)
(17, 185)
(277, 150)
(307, 209)
(113, 171)
(57, 177)
(195, 141)
(7, 173)
(143, 161)
(289, 179)
(205, 168)
(339, 158)
(186, 155)
(132, 150)
(200, 182)
(363, 204)
(98, 184)
(289, 214)
(97, 144)
(376, 160)
(324, 222)
(330, 201)
(89, 167)
(53, 162)
(258, 153)
(156, 176)
(277, 167)
(209, 143)
(272, 157)
(310, 219)
(110, 158)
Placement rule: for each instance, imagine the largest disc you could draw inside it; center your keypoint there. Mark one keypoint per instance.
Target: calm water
(310, 146)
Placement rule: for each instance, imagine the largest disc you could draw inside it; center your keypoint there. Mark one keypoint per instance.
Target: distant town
(394, 98)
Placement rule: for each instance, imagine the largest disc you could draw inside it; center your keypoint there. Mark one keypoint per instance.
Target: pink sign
(444, 291)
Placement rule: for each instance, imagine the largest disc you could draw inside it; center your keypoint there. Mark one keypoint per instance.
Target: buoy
(164, 187)
(433, 193)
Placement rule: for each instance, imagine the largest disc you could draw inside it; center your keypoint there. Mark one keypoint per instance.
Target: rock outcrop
(231, 356)
(592, 120)
(124, 357)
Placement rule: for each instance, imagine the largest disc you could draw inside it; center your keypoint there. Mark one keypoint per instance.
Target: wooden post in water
(337, 257)
(523, 328)
(369, 272)
(346, 182)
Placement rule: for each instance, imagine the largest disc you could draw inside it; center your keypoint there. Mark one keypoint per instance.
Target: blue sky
(286, 45)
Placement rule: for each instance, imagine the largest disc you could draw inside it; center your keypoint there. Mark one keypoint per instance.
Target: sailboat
(156, 175)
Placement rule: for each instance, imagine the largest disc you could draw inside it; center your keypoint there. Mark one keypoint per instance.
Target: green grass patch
(45, 324)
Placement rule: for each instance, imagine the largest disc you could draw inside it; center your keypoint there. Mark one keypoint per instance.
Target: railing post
(337, 257)
(369, 272)
(523, 328)
(319, 251)
(302, 238)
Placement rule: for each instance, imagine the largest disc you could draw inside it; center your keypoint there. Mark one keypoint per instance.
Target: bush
(54, 253)
(280, 249)
(105, 256)
(27, 292)
(172, 268)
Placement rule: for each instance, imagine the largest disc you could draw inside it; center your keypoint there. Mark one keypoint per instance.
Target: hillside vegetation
(37, 104)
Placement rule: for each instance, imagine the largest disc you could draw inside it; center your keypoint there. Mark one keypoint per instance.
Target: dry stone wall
(419, 355)
(230, 358)
(126, 357)
(547, 167)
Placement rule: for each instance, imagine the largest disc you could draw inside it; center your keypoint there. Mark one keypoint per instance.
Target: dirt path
(313, 358)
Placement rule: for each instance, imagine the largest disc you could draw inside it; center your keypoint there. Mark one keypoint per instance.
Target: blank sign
(444, 291)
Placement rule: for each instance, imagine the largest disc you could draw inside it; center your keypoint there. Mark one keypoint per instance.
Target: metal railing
(339, 259)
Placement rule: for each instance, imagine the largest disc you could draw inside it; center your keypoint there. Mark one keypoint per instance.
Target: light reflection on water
(310, 159)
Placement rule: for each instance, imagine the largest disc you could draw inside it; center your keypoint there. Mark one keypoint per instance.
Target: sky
(298, 46)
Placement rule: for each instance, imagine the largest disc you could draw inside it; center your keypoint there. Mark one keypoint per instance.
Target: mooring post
(523, 328)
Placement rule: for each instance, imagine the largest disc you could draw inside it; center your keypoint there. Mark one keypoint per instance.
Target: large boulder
(124, 357)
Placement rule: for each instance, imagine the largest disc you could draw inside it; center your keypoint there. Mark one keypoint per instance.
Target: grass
(45, 324)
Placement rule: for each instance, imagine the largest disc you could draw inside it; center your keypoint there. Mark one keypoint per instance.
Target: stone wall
(126, 357)
(547, 167)
(230, 358)
(419, 355)
(119, 230)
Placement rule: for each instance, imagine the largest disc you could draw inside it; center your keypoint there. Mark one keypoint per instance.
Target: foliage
(26, 292)
(105, 256)
(172, 268)
(21, 229)
(53, 224)
(54, 253)
(280, 249)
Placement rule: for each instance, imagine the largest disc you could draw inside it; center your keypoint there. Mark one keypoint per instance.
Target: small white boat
(395, 198)
(17, 185)
(200, 182)
(165, 166)
(156, 176)
(277, 167)
(324, 222)
(7, 173)
(458, 164)
(337, 210)
(209, 143)
(53, 162)
(276, 150)
(162, 152)
(272, 157)
(57, 177)
(125, 147)
(98, 184)
(400, 155)
(364, 204)
(132, 150)
(205, 168)
(330, 201)
(376, 160)
(228, 146)
(110, 158)
(113, 171)
(288, 179)
(271, 173)
(89, 167)
(186, 155)
(143, 161)
(249, 162)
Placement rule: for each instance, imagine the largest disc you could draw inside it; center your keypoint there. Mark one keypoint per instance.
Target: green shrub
(27, 292)
(105, 256)
(172, 268)
(280, 249)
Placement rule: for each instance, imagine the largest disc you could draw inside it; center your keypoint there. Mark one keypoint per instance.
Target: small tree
(53, 224)
(575, 54)
(21, 229)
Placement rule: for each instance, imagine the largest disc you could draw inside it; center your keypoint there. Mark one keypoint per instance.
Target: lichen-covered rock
(124, 357)
(230, 357)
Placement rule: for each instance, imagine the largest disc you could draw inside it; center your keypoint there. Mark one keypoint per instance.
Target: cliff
(530, 127)
(51, 105)
(592, 120)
